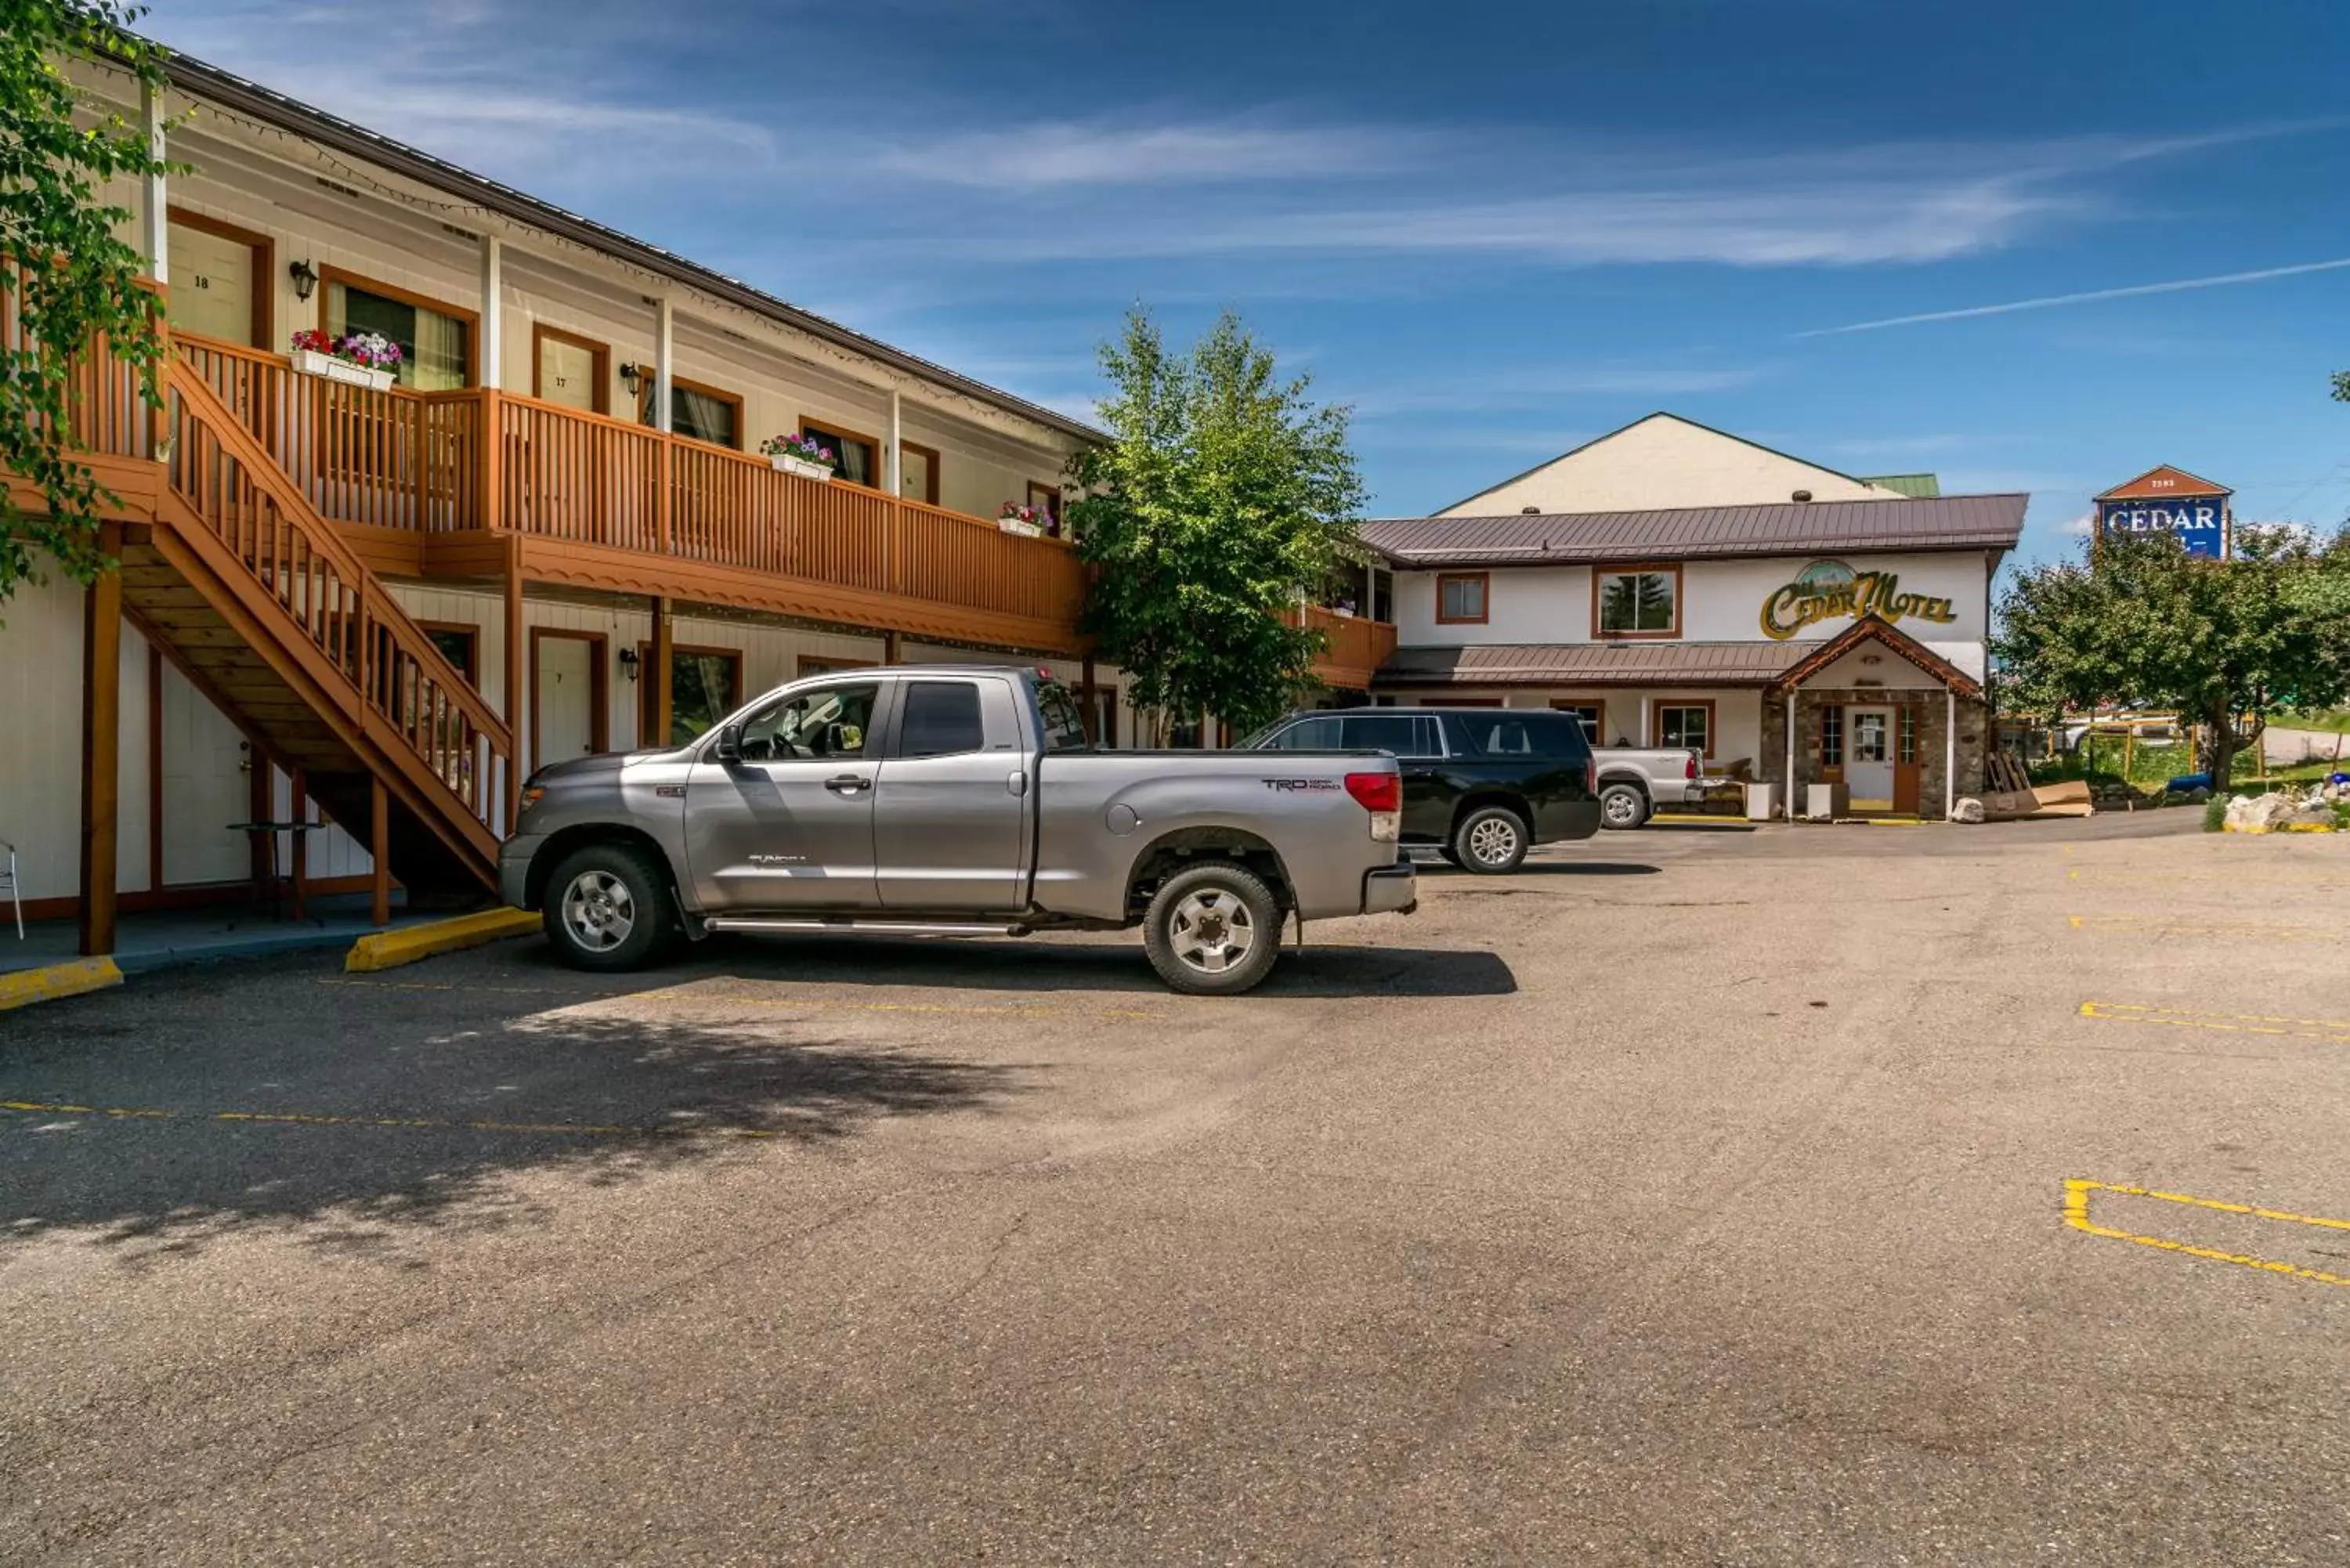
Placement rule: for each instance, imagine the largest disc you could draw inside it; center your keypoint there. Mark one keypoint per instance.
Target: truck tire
(608, 908)
(1212, 930)
(1491, 841)
(1623, 806)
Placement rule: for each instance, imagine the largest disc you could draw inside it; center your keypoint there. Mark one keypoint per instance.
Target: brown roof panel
(1593, 664)
(1534, 539)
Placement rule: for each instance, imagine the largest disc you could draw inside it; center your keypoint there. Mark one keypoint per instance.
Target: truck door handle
(847, 783)
(1016, 783)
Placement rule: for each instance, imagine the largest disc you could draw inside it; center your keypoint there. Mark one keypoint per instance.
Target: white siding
(1663, 461)
(40, 742)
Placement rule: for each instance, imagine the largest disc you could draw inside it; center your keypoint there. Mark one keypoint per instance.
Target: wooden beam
(1086, 702)
(888, 648)
(379, 849)
(101, 750)
(662, 674)
(515, 654)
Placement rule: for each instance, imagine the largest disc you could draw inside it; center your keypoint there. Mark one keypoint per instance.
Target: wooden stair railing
(390, 681)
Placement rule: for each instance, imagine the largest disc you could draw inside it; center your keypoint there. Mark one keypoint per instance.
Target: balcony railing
(1352, 646)
(414, 462)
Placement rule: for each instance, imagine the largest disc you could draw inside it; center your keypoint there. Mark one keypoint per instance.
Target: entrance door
(1869, 761)
(565, 717)
(220, 281)
(790, 824)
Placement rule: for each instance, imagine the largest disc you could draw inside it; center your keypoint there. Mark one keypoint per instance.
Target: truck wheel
(1622, 805)
(1213, 930)
(608, 908)
(1490, 841)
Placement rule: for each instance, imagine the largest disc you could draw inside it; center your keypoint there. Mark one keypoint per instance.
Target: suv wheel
(608, 908)
(1490, 841)
(1622, 805)
(1213, 930)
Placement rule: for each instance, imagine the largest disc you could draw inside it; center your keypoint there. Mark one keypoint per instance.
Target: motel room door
(1869, 762)
(568, 696)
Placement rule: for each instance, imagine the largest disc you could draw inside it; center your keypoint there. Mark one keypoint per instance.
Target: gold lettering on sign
(1828, 590)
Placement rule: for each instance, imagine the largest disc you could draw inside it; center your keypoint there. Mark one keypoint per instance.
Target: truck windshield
(1064, 726)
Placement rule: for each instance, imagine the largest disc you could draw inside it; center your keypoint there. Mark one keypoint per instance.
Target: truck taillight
(1689, 772)
(1381, 794)
(1591, 777)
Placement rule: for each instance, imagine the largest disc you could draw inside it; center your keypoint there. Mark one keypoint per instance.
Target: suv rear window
(1404, 734)
(1515, 732)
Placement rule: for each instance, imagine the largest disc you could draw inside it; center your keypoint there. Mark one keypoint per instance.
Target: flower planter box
(799, 465)
(310, 362)
(1025, 530)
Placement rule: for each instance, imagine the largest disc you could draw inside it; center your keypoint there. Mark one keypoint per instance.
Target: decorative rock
(1968, 809)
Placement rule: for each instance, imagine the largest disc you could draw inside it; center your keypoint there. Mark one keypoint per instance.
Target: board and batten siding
(40, 742)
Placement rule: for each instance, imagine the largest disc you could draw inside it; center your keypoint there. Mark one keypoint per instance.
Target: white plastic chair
(8, 880)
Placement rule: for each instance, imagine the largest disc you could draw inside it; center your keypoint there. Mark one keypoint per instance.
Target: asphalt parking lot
(1813, 1195)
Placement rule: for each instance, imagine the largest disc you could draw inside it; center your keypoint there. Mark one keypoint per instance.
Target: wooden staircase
(283, 628)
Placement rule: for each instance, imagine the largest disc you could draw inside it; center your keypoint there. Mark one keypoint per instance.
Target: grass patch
(2215, 814)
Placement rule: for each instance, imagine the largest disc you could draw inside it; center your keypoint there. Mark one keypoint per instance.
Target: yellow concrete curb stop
(50, 982)
(389, 949)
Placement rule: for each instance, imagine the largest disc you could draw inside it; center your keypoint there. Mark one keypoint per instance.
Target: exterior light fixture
(633, 376)
(306, 280)
(629, 662)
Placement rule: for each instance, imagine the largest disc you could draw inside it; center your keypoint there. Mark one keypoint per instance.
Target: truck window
(1404, 734)
(828, 722)
(1064, 726)
(1536, 734)
(1308, 735)
(941, 720)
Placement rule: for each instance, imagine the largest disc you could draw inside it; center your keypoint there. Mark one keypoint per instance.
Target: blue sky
(1496, 230)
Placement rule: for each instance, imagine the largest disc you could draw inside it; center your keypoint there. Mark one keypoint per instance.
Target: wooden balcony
(1353, 648)
(449, 484)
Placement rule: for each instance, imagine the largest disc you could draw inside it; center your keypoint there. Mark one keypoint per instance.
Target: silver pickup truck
(1637, 781)
(949, 800)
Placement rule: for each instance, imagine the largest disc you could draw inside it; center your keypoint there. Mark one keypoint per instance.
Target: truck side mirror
(729, 748)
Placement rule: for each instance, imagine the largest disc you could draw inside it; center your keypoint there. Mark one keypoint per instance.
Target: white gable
(1661, 462)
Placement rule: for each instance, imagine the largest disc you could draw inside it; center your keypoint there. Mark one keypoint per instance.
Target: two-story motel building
(1675, 585)
(377, 611)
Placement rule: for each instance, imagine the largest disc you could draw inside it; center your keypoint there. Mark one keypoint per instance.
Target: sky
(2034, 246)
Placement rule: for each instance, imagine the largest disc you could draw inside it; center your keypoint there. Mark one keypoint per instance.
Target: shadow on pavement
(1544, 869)
(405, 1106)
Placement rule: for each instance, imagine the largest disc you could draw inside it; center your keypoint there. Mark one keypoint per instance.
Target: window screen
(941, 720)
(1404, 734)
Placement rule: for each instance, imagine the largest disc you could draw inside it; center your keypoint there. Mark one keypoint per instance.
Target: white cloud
(2079, 527)
(2051, 301)
(1065, 153)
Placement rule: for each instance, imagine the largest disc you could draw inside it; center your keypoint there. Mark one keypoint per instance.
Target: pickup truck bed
(954, 800)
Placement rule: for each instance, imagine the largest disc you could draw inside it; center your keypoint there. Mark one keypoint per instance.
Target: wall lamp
(306, 280)
(628, 662)
(633, 376)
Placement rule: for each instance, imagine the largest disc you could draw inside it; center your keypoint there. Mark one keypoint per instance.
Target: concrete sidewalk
(158, 938)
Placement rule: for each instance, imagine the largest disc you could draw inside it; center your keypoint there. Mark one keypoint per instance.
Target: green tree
(1223, 497)
(2227, 643)
(64, 276)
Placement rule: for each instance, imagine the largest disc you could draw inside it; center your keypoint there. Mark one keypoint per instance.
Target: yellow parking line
(2076, 1215)
(404, 1124)
(2229, 1023)
(2169, 926)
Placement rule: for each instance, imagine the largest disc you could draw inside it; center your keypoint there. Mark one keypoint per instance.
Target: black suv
(1483, 785)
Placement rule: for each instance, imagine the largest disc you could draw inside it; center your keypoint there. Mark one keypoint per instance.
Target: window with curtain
(705, 416)
(1639, 602)
(1462, 598)
(434, 345)
(860, 463)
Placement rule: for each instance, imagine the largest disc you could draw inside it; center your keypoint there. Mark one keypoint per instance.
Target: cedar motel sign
(1827, 589)
(2169, 500)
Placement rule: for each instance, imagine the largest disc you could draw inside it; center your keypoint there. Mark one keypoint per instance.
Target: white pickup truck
(1635, 781)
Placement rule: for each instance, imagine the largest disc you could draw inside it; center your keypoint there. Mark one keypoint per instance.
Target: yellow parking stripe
(2076, 1215)
(2333, 1031)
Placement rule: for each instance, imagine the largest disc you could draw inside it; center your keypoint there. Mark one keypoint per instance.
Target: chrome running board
(858, 927)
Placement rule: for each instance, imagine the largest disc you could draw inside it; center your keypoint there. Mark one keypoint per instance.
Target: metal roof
(2162, 483)
(200, 79)
(1593, 664)
(1539, 539)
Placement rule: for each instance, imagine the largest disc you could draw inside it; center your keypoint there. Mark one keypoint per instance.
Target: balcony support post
(515, 654)
(888, 648)
(155, 200)
(897, 441)
(494, 314)
(664, 364)
(662, 674)
(1087, 701)
(379, 852)
(101, 749)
